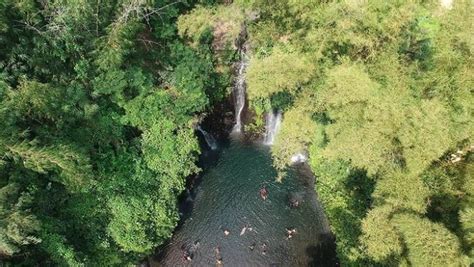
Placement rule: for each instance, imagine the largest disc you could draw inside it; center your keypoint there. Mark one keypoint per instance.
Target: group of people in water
(290, 232)
(293, 200)
(189, 253)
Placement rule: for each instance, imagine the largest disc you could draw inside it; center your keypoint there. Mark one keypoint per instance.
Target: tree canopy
(383, 93)
(97, 101)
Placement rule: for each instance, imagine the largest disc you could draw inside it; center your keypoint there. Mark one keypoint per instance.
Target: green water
(228, 199)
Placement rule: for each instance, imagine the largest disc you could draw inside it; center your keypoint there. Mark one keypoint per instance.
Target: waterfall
(239, 92)
(210, 140)
(272, 125)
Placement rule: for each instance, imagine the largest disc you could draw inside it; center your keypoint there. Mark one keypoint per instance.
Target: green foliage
(171, 148)
(60, 252)
(383, 86)
(347, 84)
(278, 72)
(428, 243)
(380, 238)
(196, 22)
(73, 168)
(97, 101)
(135, 219)
(345, 194)
(466, 215)
(17, 224)
(224, 22)
(352, 105)
(120, 33)
(392, 190)
(193, 78)
(427, 120)
(295, 133)
(467, 218)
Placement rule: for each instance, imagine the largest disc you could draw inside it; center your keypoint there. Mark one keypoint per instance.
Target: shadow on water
(323, 254)
(207, 160)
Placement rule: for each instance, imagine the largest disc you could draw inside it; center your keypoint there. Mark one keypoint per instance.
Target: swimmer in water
(217, 250)
(246, 227)
(243, 230)
(264, 249)
(196, 245)
(294, 203)
(263, 193)
(252, 247)
(290, 232)
(187, 256)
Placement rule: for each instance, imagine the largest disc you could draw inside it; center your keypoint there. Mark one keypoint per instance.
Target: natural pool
(228, 199)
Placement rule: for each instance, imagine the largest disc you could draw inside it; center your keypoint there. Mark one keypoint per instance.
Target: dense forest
(99, 101)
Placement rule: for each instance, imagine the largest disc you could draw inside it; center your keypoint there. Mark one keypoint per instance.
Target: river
(227, 199)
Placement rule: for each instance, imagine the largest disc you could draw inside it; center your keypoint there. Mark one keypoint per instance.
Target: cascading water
(239, 92)
(210, 140)
(272, 126)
